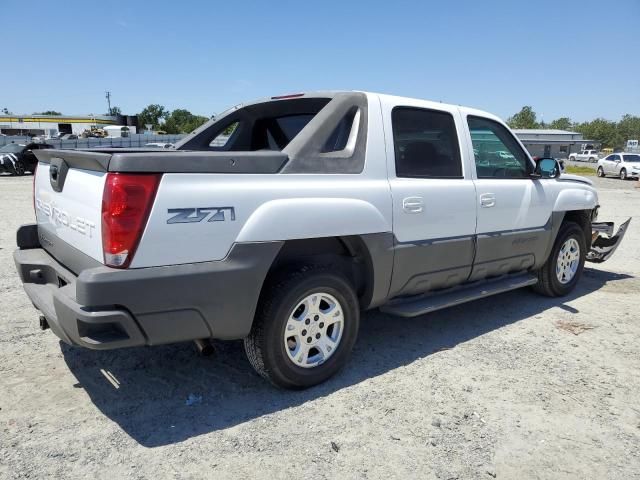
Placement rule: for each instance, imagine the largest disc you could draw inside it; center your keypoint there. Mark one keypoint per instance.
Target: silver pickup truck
(283, 219)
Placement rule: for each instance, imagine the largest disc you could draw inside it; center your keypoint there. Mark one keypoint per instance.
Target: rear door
(613, 163)
(514, 211)
(608, 163)
(434, 211)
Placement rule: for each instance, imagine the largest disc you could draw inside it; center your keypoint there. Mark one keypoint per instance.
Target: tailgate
(68, 190)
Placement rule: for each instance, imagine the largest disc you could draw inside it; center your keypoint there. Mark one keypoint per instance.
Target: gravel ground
(513, 386)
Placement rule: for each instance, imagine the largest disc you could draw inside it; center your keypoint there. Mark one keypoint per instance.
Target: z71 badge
(195, 215)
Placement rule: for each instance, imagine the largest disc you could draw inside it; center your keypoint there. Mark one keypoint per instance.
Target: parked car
(19, 158)
(623, 165)
(584, 156)
(159, 145)
(317, 207)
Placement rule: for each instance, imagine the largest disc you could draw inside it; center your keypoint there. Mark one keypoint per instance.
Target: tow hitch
(603, 242)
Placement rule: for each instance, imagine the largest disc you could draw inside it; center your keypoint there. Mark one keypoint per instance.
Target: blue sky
(575, 58)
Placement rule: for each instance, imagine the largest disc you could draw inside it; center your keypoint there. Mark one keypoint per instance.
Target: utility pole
(108, 97)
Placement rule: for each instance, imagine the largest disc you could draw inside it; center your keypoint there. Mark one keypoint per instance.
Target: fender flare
(575, 199)
(300, 218)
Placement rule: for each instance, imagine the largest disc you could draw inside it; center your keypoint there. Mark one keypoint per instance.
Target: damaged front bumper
(604, 242)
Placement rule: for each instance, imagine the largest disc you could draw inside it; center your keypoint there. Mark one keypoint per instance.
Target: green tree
(152, 114)
(562, 123)
(115, 111)
(525, 118)
(183, 121)
(47, 112)
(6, 111)
(629, 128)
(602, 130)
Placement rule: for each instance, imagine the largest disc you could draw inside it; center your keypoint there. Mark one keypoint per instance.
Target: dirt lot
(514, 386)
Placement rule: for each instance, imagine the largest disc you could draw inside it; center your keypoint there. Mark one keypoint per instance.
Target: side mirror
(547, 168)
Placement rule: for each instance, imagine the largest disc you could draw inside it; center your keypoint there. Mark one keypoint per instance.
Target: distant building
(53, 125)
(554, 143)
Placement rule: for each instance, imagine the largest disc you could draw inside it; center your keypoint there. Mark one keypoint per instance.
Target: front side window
(497, 153)
(615, 158)
(425, 143)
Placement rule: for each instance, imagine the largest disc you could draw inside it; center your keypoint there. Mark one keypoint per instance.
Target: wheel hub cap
(314, 330)
(568, 261)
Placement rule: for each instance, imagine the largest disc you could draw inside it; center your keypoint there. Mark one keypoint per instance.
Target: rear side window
(496, 151)
(425, 143)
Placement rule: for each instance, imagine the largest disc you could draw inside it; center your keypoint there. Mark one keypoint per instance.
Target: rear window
(292, 125)
(632, 158)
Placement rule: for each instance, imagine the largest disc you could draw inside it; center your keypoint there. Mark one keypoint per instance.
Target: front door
(434, 209)
(514, 211)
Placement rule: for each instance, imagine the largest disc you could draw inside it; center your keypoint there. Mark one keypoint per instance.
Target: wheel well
(348, 254)
(582, 218)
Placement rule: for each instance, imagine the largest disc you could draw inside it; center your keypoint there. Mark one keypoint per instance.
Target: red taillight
(126, 204)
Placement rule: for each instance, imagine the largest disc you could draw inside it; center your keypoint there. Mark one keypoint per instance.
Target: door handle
(487, 200)
(413, 205)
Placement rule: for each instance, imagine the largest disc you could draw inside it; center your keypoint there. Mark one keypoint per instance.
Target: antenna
(108, 97)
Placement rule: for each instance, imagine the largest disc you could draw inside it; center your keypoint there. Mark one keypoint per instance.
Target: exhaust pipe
(205, 347)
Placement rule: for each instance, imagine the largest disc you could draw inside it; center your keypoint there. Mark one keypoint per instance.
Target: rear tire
(18, 168)
(562, 270)
(623, 174)
(297, 342)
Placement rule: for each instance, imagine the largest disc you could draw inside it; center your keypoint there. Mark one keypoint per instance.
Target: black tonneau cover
(163, 161)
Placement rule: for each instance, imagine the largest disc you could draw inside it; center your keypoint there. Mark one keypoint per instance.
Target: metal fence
(133, 141)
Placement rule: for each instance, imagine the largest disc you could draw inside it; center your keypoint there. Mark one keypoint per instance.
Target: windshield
(632, 158)
(12, 148)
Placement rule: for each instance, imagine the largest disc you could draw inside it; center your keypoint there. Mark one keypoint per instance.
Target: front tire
(623, 174)
(600, 172)
(305, 326)
(562, 270)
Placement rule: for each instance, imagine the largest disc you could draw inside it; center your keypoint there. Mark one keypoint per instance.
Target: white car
(159, 145)
(623, 165)
(314, 208)
(585, 156)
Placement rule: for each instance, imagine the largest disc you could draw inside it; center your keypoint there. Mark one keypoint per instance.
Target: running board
(415, 306)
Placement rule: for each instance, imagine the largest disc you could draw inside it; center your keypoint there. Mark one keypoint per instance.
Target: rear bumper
(105, 308)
